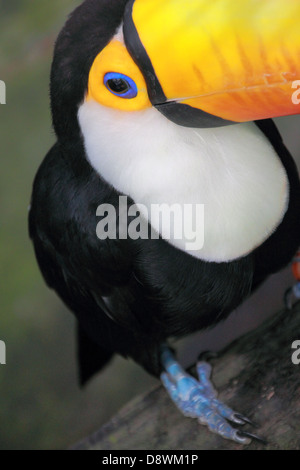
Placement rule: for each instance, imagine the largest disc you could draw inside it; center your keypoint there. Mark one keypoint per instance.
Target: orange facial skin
(115, 58)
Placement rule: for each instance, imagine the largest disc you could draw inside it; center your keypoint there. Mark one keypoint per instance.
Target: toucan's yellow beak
(231, 60)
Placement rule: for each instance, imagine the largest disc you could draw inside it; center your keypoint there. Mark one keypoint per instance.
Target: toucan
(169, 104)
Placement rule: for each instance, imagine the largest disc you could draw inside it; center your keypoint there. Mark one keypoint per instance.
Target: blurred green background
(41, 406)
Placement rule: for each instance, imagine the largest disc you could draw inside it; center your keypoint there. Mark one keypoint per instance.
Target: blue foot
(291, 295)
(198, 399)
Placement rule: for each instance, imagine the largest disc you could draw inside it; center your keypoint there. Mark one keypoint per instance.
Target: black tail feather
(91, 357)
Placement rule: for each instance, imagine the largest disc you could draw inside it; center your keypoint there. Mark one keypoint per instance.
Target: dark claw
(252, 436)
(206, 356)
(245, 420)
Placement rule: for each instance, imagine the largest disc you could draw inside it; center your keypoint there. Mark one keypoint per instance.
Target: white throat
(234, 171)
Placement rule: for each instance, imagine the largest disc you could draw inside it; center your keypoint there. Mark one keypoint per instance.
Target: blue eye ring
(120, 85)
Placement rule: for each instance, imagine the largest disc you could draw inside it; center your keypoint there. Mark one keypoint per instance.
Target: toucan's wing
(62, 225)
(91, 357)
(92, 276)
(281, 245)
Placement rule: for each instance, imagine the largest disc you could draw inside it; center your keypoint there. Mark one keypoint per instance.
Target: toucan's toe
(292, 295)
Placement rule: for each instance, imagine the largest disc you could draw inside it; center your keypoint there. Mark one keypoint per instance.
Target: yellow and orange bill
(222, 61)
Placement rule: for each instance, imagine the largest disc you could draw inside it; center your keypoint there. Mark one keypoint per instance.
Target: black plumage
(128, 296)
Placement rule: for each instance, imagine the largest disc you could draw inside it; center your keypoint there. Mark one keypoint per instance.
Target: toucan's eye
(125, 90)
(120, 85)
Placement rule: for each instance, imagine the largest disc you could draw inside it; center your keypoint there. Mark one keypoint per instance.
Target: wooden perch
(254, 375)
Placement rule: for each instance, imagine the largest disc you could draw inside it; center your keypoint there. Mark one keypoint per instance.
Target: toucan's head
(199, 63)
